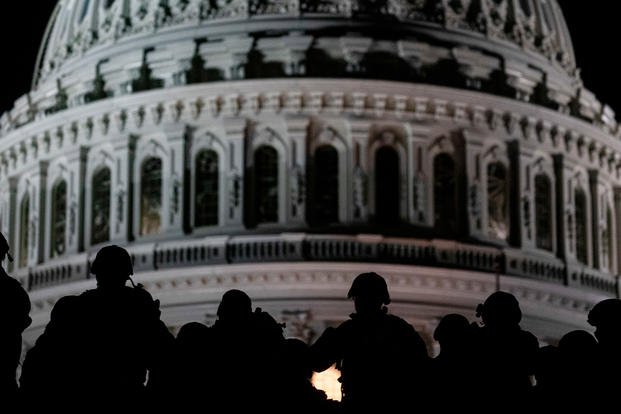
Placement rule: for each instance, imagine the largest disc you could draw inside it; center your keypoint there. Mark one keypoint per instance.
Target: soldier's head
(452, 331)
(235, 307)
(112, 267)
(369, 292)
(606, 318)
(4, 249)
(500, 309)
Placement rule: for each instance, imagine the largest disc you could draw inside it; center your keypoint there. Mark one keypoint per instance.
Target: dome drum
(282, 146)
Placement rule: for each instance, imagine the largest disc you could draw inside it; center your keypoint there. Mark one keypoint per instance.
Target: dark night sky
(593, 29)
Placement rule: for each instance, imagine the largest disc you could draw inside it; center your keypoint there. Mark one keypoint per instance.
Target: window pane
(543, 212)
(151, 196)
(59, 219)
(326, 185)
(581, 227)
(497, 200)
(266, 184)
(100, 214)
(206, 189)
(387, 181)
(444, 194)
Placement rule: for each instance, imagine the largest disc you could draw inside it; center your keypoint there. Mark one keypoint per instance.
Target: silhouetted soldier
(99, 346)
(193, 367)
(606, 318)
(577, 362)
(452, 370)
(244, 347)
(547, 393)
(381, 357)
(505, 353)
(14, 310)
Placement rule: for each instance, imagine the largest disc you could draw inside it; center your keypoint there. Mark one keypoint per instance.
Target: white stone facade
(531, 201)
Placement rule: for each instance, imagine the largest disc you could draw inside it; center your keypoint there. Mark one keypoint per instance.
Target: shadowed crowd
(107, 349)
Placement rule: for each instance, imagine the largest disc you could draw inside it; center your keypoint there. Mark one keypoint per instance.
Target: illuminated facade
(282, 147)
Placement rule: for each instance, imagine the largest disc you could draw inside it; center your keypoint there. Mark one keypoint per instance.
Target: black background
(594, 28)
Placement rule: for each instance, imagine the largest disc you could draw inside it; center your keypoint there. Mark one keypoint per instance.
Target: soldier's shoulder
(398, 322)
(67, 305)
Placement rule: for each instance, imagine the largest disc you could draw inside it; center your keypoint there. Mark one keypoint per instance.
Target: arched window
(151, 196)
(543, 212)
(266, 184)
(497, 200)
(387, 182)
(58, 219)
(325, 208)
(206, 189)
(582, 253)
(100, 207)
(24, 221)
(444, 194)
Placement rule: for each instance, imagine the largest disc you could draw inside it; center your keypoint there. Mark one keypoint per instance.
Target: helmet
(370, 285)
(4, 248)
(451, 327)
(606, 312)
(112, 262)
(235, 305)
(500, 308)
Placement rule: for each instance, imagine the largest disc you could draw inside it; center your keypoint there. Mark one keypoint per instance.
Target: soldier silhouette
(244, 347)
(451, 373)
(504, 353)
(14, 310)
(99, 347)
(381, 357)
(606, 318)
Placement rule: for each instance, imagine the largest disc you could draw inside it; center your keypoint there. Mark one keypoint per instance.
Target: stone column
(124, 212)
(75, 200)
(37, 215)
(360, 179)
(173, 201)
(617, 234)
(475, 194)
(13, 214)
(296, 203)
(418, 191)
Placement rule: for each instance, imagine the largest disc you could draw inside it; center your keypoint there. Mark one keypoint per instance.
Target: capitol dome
(284, 146)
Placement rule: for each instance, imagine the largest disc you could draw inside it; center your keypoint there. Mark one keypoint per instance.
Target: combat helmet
(112, 265)
(500, 309)
(369, 285)
(605, 313)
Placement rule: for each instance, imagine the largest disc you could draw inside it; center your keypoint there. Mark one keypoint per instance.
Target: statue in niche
(570, 229)
(526, 213)
(120, 208)
(418, 196)
(235, 187)
(298, 189)
(175, 198)
(360, 192)
(474, 201)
